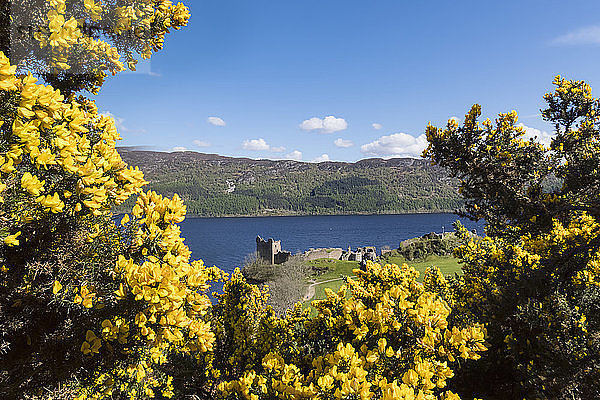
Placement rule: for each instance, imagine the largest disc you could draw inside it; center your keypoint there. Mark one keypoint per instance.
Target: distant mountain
(214, 185)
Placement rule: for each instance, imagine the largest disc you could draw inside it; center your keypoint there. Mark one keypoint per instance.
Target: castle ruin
(270, 251)
(362, 254)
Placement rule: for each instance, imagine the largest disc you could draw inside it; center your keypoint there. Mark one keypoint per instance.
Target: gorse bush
(97, 309)
(534, 280)
(92, 308)
(78, 291)
(383, 336)
(88, 308)
(74, 45)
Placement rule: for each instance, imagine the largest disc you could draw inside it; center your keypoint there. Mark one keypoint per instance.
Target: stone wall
(331, 253)
(281, 257)
(367, 253)
(361, 254)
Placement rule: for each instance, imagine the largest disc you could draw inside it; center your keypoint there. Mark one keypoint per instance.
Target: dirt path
(310, 293)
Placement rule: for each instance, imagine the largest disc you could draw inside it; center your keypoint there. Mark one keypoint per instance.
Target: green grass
(320, 289)
(334, 269)
(447, 264)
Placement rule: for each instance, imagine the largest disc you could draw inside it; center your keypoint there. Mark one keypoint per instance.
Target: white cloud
(377, 126)
(321, 158)
(396, 145)
(216, 121)
(455, 119)
(119, 122)
(201, 143)
(294, 155)
(261, 145)
(312, 124)
(255, 145)
(543, 137)
(179, 148)
(339, 142)
(587, 35)
(328, 124)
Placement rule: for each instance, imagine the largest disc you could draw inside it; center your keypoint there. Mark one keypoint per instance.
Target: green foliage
(290, 187)
(430, 244)
(448, 265)
(75, 45)
(533, 281)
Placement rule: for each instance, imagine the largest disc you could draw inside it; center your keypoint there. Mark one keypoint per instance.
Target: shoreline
(199, 216)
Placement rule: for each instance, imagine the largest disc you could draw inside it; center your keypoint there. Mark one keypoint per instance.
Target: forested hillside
(213, 185)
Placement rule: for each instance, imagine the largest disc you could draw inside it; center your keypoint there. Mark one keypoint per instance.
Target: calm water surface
(226, 242)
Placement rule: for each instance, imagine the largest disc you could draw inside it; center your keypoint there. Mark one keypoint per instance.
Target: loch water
(226, 242)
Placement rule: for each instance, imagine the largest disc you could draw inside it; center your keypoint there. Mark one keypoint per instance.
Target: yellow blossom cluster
(166, 288)
(86, 297)
(487, 140)
(579, 140)
(565, 87)
(583, 229)
(387, 337)
(138, 380)
(88, 38)
(47, 136)
(507, 261)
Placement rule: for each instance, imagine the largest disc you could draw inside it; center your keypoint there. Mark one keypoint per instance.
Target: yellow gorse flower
(32, 184)
(94, 9)
(11, 240)
(52, 202)
(92, 343)
(52, 132)
(56, 287)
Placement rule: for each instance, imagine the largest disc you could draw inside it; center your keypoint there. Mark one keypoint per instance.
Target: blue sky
(308, 79)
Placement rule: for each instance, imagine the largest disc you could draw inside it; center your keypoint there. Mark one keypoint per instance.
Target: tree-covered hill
(213, 185)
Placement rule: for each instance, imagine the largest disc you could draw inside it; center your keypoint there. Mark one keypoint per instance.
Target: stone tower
(270, 251)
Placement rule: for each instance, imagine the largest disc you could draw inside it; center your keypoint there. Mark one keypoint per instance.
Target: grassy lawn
(447, 264)
(320, 289)
(334, 269)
